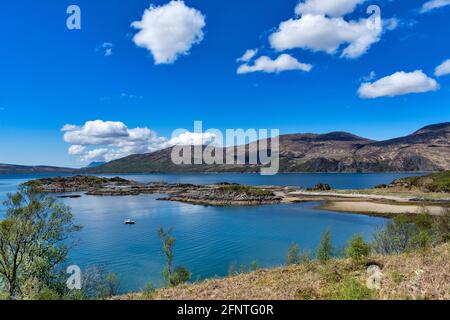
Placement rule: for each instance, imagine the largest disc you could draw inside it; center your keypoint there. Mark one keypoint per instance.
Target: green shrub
(325, 250)
(441, 226)
(293, 255)
(149, 290)
(398, 236)
(358, 250)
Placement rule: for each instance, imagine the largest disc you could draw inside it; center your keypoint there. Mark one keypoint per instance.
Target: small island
(408, 195)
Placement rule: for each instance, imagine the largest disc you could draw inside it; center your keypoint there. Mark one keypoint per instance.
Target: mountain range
(427, 149)
(18, 169)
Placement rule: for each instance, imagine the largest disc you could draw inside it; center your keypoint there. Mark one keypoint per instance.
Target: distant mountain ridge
(427, 149)
(19, 169)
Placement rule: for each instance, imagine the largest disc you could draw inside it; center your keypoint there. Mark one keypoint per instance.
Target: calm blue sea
(209, 239)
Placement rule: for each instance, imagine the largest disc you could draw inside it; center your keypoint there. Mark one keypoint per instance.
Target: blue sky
(51, 76)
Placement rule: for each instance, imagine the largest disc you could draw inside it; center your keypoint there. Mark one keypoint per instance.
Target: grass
(435, 182)
(415, 275)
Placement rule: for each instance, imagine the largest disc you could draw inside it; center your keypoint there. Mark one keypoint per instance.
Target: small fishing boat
(129, 221)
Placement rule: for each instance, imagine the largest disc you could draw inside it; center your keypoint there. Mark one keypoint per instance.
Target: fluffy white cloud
(333, 8)
(76, 150)
(169, 31)
(320, 33)
(434, 4)
(193, 138)
(108, 140)
(399, 83)
(443, 69)
(112, 139)
(284, 62)
(248, 55)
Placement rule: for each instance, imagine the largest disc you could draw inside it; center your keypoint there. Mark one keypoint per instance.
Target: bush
(149, 290)
(293, 255)
(441, 226)
(398, 236)
(325, 250)
(358, 250)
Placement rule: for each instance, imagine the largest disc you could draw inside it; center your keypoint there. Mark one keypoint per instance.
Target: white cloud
(169, 31)
(115, 137)
(248, 55)
(100, 155)
(332, 8)
(130, 96)
(193, 138)
(320, 33)
(443, 69)
(284, 62)
(76, 150)
(399, 83)
(108, 140)
(434, 4)
(106, 48)
(372, 75)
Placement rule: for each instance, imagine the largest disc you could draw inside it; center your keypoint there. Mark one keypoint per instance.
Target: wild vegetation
(434, 182)
(33, 246)
(412, 252)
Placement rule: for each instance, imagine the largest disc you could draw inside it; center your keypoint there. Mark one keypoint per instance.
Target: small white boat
(129, 221)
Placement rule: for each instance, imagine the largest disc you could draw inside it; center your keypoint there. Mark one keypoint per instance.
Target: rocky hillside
(427, 149)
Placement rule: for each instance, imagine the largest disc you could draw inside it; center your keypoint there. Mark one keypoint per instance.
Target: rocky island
(410, 195)
(222, 194)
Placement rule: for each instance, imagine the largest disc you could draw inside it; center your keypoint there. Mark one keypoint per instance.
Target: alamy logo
(73, 22)
(74, 280)
(235, 147)
(374, 277)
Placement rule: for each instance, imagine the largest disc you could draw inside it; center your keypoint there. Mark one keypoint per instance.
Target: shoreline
(365, 201)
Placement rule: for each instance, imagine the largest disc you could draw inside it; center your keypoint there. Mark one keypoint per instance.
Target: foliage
(325, 250)
(351, 289)
(358, 250)
(295, 256)
(172, 276)
(149, 291)
(33, 241)
(405, 233)
(441, 226)
(435, 182)
(97, 284)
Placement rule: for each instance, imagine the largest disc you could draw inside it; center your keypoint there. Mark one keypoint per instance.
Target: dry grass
(418, 275)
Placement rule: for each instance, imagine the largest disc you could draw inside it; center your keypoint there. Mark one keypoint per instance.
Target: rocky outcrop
(222, 194)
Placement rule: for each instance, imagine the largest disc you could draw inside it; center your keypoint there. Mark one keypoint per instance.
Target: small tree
(293, 255)
(172, 276)
(33, 240)
(325, 250)
(297, 256)
(358, 250)
(113, 284)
